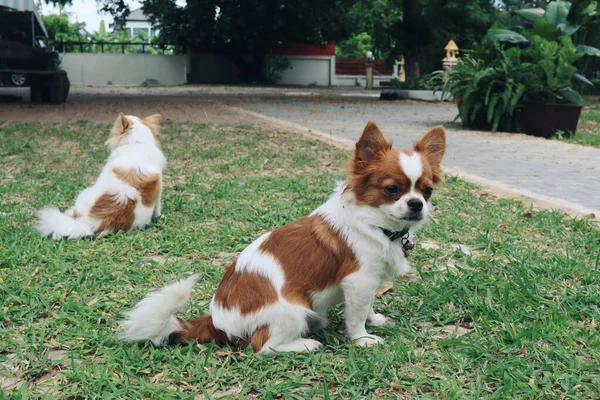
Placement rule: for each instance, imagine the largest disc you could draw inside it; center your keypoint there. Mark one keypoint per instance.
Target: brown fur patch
(313, 257)
(75, 215)
(432, 147)
(370, 145)
(148, 185)
(153, 122)
(257, 340)
(376, 166)
(246, 291)
(370, 182)
(113, 216)
(201, 330)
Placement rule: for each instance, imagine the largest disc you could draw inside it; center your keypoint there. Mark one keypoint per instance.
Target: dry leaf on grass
(456, 330)
(92, 302)
(385, 289)
(466, 250)
(56, 355)
(427, 245)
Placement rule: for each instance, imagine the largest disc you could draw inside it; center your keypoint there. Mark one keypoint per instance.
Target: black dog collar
(395, 235)
(403, 235)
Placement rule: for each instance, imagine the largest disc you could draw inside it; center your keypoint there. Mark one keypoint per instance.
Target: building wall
(303, 70)
(309, 70)
(124, 69)
(169, 70)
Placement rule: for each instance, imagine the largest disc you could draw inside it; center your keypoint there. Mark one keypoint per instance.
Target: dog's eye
(427, 192)
(392, 190)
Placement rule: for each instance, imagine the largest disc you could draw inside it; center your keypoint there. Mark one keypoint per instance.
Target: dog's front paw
(367, 341)
(378, 320)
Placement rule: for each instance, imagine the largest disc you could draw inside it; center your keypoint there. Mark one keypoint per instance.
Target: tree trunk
(411, 66)
(411, 14)
(250, 69)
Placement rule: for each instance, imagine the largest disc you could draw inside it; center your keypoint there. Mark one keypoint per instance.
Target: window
(140, 31)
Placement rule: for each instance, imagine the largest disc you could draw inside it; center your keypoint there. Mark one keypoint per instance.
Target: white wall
(304, 70)
(309, 70)
(169, 70)
(124, 69)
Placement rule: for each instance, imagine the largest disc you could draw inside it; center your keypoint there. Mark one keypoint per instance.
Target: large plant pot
(544, 120)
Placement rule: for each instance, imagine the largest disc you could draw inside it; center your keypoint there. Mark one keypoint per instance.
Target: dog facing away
(127, 193)
(281, 286)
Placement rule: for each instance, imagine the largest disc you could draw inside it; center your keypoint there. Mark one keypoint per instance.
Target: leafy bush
(492, 82)
(489, 86)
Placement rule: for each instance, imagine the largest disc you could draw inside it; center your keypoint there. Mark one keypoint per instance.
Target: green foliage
(420, 39)
(554, 70)
(60, 29)
(539, 63)
(514, 318)
(249, 26)
(102, 28)
(355, 47)
(489, 88)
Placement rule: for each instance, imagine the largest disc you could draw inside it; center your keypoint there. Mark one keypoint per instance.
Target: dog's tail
(154, 319)
(51, 222)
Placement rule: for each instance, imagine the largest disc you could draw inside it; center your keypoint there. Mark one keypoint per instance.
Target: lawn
(588, 130)
(506, 305)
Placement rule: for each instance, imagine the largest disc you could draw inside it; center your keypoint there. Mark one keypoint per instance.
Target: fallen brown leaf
(456, 330)
(385, 289)
(92, 302)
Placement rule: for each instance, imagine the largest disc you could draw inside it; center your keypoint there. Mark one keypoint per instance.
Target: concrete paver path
(564, 174)
(550, 173)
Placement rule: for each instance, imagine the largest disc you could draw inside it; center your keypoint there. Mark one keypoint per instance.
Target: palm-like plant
(561, 19)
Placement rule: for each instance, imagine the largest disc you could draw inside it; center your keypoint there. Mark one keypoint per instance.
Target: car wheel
(18, 79)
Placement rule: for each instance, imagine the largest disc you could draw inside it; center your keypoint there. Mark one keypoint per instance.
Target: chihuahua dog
(126, 195)
(281, 287)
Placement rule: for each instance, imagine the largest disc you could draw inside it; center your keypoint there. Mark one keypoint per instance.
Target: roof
(451, 46)
(135, 15)
(22, 8)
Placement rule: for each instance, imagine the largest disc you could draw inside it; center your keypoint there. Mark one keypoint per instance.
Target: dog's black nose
(415, 205)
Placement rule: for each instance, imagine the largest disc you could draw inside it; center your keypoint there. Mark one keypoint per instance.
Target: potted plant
(488, 85)
(518, 82)
(550, 103)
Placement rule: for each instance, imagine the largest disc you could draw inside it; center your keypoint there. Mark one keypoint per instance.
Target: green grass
(588, 129)
(524, 304)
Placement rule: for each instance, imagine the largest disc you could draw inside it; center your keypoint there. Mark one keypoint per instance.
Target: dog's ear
(153, 122)
(370, 145)
(121, 125)
(119, 130)
(433, 147)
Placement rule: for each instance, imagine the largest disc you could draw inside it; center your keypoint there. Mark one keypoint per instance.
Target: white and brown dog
(282, 285)
(126, 195)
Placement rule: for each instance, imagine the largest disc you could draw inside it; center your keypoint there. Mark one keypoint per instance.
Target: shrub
(491, 83)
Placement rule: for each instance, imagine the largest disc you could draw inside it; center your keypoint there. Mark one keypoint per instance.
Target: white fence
(169, 70)
(124, 69)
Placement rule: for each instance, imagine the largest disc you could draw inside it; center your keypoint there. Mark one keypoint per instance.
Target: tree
(234, 27)
(60, 29)
(420, 29)
(102, 28)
